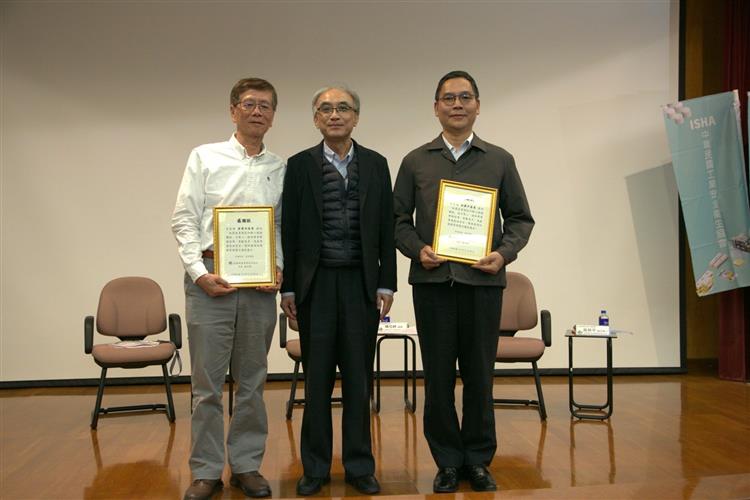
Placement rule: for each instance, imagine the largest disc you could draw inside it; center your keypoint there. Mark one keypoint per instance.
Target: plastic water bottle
(603, 318)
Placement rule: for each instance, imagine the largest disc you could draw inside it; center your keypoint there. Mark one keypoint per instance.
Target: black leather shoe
(311, 485)
(446, 480)
(203, 489)
(367, 485)
(479, 478)
(252, 484)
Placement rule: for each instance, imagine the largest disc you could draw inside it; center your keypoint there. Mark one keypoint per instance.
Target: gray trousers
(240, 327)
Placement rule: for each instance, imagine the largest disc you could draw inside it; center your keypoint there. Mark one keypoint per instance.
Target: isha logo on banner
(708, 161)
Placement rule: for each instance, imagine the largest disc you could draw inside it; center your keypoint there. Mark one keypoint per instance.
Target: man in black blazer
(339, 280)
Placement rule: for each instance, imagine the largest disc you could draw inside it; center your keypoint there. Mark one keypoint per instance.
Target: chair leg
(168, 387)
(293, 392)
(231, 391)
(542, 408)
(98, 406)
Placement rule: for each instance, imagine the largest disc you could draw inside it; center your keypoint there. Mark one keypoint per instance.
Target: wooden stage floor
(675, 436)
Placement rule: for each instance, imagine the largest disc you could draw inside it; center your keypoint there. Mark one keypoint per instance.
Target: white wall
(102, 101)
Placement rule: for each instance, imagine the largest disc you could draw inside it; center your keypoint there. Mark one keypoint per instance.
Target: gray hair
(341, 87)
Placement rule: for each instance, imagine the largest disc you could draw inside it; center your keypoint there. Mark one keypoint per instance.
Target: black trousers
(458, 322)
(338, 327)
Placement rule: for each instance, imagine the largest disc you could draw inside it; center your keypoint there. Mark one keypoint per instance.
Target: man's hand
(428, 258)
(384, 302)
(273, 289)
(214, 285)
(491, 263)
(289, 307)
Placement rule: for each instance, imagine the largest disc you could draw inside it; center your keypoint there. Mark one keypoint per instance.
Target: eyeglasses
(249, 105)
(450, 99)
(327, 109)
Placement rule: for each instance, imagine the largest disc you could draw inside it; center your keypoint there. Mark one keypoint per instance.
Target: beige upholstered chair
(132, 308)
(520, 313)
(293, 349)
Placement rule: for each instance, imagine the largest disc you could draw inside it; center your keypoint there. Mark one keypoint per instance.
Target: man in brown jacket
(457, 306)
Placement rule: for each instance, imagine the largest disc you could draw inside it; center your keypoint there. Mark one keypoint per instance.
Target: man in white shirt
(226, 323)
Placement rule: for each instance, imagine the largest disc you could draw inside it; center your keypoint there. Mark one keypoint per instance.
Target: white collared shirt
(457, 152)
(340, 164)
(222, 174)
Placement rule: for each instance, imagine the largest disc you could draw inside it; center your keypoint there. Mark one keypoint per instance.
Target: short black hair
(246, 84)
(457, 74)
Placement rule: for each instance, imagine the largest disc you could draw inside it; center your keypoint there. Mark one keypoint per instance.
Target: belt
(208, 254)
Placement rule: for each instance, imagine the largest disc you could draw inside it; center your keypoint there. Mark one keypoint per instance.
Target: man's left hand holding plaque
(244, 247)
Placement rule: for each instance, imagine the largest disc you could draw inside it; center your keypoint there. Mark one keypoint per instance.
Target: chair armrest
(88, 334)
(282, 330)
(175, 330)
(546, 327)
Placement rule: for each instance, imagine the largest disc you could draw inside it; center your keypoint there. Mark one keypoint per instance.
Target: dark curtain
(734, 306)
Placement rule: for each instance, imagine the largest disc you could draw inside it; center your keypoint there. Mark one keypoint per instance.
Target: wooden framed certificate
(244, 246)
(465, 221)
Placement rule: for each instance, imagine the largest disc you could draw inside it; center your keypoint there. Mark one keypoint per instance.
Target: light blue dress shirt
(341, 164)
(457, 152)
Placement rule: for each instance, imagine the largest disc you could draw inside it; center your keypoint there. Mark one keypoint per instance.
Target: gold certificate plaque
(244, 246)
(465, 220)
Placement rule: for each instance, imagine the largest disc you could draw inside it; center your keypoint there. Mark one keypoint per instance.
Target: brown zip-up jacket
(417, 188)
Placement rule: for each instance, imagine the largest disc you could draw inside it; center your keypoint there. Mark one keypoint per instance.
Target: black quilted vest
(342, 245)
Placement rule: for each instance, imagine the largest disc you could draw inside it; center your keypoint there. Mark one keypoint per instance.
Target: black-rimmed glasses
(328, 109)
(464, 97)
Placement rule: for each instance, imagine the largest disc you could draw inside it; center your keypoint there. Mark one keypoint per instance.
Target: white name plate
(591, 330)
(390, 327)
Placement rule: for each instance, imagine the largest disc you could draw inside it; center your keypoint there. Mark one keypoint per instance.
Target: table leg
(376, 406)
(575, 407)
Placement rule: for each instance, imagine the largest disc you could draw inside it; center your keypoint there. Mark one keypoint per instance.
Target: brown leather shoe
(251, 483)
(203, 489)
